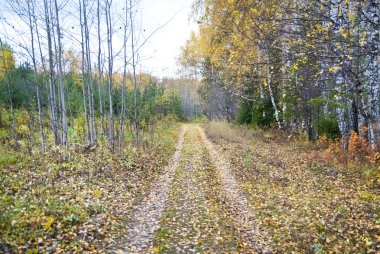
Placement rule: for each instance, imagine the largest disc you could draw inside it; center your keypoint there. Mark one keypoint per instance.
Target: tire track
(147, 215)
(242, 216)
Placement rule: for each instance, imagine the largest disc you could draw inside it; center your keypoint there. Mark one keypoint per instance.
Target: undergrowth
(50, 204)
(305, 196)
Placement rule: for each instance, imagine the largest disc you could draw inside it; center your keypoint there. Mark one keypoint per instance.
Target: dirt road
(196, 206)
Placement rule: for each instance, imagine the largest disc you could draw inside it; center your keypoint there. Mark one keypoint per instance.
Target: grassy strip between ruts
(305, 205)
(77, 206)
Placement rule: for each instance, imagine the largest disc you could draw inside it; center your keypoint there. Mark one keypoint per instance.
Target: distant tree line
(95, 86)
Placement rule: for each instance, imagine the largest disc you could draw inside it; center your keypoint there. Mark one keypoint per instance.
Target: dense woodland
(267, 140)
(310, 65)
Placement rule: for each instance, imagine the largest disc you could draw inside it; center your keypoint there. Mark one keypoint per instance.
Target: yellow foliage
(6, 60)
(254, 11)
(351, 16)
(47, 222)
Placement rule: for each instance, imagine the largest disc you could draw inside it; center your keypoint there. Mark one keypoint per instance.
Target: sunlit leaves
(7, 60)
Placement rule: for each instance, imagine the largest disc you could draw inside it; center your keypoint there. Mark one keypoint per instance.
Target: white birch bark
(110, 72)
(60, 79)
(31, 15)
(271, 93)
(92, 124)
(336, 14)
(100, 72)
(88, 130)
(53, 106)
(373, 71)
(124, 86)
(134, 54)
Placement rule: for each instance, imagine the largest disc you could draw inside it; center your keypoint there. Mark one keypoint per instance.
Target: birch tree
(124, 85)
(83, 68)
(372, 73)
(52, 100)
(31, 15)
(60, 79)
(110, 72)
(100, 70)
(90, 88)
(321, 54)
(134, 76)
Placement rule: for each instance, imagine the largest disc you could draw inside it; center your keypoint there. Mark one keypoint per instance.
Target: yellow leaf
(48, 222)
(97, 192)
(351, 16)
(255, 11)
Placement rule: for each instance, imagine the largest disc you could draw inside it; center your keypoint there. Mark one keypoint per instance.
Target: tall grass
(238, 134)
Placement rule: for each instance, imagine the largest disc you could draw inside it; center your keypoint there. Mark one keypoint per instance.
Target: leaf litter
(196, 220)
(147, 214)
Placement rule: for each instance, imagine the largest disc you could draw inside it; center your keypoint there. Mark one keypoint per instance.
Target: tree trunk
(92, 124)
(100, 72)
(53, 106)
(40, 123)
(373, 71)
(110, 72)
(88, 130)
(124, 87)
(271, 94)
(60, 80)
(135, 116)
(262, 93)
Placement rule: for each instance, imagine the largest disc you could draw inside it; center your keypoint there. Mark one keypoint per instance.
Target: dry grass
(237, 134)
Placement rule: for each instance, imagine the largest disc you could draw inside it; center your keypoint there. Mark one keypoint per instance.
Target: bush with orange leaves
(335, 151)
(356, 150)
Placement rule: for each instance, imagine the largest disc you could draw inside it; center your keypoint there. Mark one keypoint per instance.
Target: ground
(203, 211)
(231, 195)
(193, 188)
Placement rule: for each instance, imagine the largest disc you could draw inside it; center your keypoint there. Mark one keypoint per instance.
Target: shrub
(358, 149)
(335, 151)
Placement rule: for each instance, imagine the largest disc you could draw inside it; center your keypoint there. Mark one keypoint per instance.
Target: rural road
(195, 206)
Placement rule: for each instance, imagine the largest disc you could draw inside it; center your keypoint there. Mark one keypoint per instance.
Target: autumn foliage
(307, 198)
(358, 150)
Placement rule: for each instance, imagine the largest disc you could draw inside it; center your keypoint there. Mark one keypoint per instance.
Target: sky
(159, 54)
